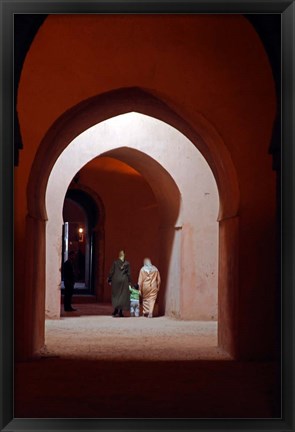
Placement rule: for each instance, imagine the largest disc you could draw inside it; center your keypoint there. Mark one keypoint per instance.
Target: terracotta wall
(211, 70)
(131, 215)
(73, 212)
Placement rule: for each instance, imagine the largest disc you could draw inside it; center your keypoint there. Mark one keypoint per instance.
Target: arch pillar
(170, 257)
(31, 330)
(228, 285)
(53, 295)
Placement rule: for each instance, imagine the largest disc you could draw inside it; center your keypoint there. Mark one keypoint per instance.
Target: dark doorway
(80, 215)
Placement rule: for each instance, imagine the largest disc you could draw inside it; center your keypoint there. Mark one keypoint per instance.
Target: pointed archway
(206, 140)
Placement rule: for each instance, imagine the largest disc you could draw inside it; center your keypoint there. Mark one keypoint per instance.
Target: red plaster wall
(131, 214)
(213, 65)
(72, 212)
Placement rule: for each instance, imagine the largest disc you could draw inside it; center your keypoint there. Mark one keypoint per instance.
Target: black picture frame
(8, 9)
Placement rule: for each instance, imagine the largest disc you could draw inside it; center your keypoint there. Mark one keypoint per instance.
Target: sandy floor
(103, 337)
(96, 366)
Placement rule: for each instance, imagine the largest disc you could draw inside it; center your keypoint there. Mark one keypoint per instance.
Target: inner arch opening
(186, 197)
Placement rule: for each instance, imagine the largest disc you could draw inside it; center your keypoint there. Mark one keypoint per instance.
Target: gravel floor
(82, 335)
(96, 366)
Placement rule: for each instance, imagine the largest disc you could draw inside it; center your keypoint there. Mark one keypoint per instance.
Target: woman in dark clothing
(120, 279)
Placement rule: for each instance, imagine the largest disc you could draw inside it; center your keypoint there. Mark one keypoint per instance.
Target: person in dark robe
(120, 279)
(69, 282)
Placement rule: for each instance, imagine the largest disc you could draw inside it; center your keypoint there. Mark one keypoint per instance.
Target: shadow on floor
(59, 387)
(54, 387)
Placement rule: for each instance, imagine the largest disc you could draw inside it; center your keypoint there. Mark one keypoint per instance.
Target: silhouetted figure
(69, 282)
(120, 279)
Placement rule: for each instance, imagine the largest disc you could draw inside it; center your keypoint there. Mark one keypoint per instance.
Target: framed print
(147, 215)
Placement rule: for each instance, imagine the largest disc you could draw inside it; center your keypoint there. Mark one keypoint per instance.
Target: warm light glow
(80, 230)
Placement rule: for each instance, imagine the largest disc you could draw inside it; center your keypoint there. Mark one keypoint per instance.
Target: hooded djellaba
(120, 279)
(149, 284)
